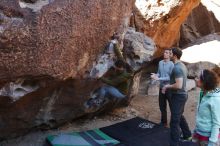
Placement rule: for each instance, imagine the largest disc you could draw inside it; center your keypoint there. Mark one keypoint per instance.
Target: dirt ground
(142, 106)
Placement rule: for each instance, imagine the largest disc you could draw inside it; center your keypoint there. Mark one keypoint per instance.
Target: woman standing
(208, 110)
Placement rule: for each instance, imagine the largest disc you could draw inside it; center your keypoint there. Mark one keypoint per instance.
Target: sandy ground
(142, 106)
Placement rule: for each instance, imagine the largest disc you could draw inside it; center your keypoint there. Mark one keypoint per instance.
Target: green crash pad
(87, 138)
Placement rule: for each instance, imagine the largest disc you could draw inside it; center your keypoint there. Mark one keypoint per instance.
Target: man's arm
(118, 52)
(167, 78)
(214, 107)
(156, 76)
(177, 85)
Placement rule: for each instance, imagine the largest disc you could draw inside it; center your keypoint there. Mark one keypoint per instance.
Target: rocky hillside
(161, 20)
(202, 21)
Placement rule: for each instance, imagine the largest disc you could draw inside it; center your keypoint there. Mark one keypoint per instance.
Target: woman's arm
(215, 114)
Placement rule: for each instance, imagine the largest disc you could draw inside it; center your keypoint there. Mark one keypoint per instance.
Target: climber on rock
(116, 80)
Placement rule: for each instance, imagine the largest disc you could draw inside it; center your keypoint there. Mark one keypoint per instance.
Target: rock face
(161, 20)
(202, 21)
(138, 48)
(50, 105)
(56, 38)
(43, 42)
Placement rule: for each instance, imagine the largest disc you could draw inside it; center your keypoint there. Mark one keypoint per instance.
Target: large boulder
(56, 38)
(47, 51)
(161, 20)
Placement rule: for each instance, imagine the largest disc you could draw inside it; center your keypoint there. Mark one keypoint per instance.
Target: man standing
(163, 75)
(178, 99)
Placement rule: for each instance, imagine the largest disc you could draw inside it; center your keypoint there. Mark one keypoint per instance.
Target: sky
(208, 51)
